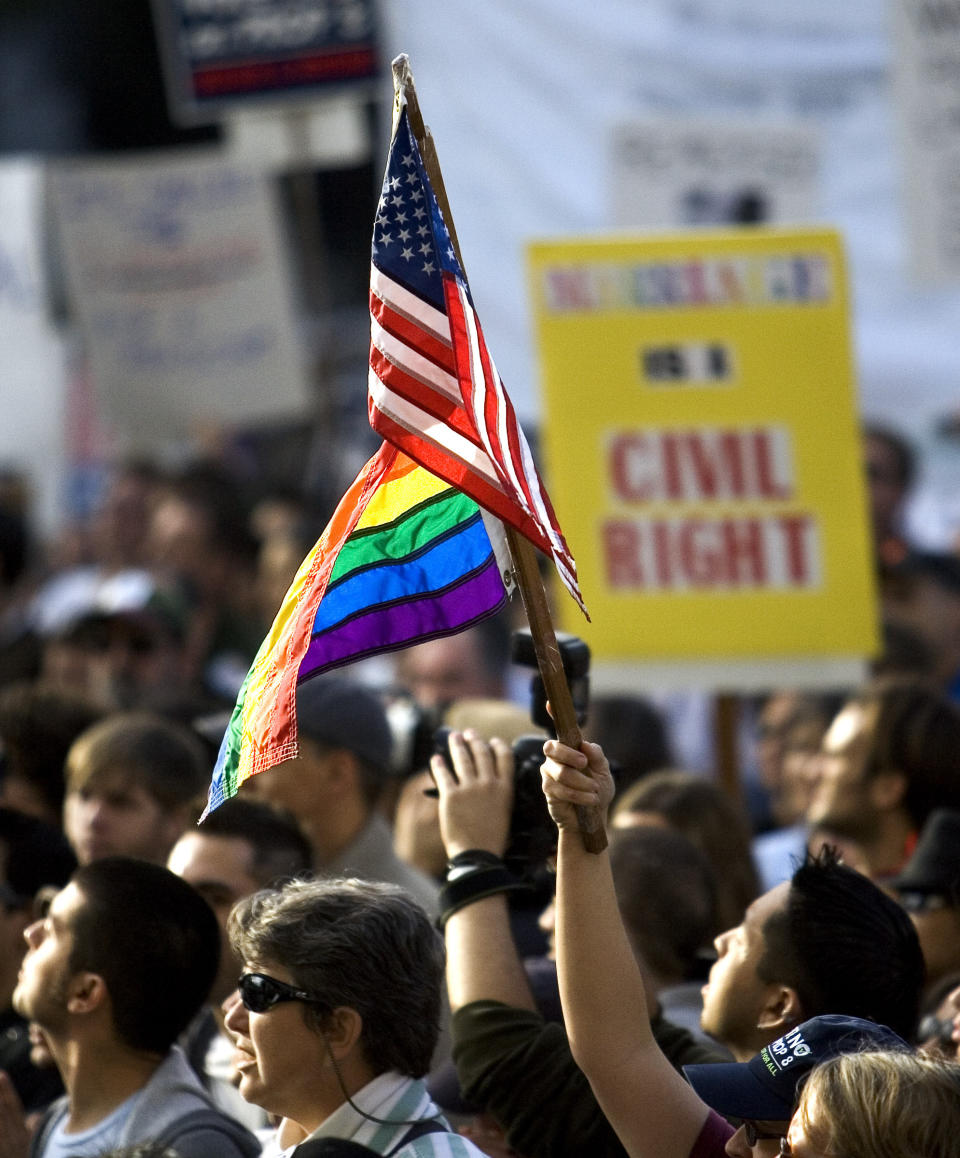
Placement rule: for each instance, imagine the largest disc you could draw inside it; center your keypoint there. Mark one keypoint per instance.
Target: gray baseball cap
(340, 713)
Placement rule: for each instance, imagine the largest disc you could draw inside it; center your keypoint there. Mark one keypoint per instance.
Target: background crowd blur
(129, 621)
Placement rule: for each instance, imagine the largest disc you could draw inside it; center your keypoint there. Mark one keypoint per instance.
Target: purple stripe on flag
(402, 624)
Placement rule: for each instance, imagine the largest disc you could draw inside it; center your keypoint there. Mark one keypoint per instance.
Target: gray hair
(363, 945)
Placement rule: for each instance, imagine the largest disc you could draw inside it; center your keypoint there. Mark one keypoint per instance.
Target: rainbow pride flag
(405, 558)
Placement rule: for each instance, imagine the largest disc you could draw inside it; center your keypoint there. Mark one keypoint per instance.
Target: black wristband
(474, 885)
(473, 856)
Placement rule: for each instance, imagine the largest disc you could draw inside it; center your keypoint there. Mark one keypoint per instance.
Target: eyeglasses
(258, 992)
(916, 902)
(754, 1135)
(934, 1030)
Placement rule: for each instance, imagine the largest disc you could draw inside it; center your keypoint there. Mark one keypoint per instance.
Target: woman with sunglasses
(339, 1014)
(653, 1110)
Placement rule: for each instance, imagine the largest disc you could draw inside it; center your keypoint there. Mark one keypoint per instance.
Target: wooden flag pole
(525, 569)
(527, 575)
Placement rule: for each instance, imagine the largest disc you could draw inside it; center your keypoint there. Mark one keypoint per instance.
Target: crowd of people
(396, 941)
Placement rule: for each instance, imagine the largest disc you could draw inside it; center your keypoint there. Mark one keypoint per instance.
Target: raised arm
(475, 801)
(653, 1110)
(510, 1062)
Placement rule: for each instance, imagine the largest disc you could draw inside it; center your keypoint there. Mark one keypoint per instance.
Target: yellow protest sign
(703, 450)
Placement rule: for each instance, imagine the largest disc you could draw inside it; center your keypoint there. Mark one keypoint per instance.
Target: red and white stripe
(435, 392)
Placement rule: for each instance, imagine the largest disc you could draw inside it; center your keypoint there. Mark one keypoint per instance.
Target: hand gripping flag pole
(526, 572)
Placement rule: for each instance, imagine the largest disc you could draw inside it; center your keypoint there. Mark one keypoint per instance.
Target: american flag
(433, 388)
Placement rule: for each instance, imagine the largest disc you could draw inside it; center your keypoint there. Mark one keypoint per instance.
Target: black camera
(533, 835)
(575, 656)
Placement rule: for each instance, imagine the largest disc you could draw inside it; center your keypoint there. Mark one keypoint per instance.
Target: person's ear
(343, 772)
(86, 992)
(781, 1010)
(335, 769)
(175, 822)
(887, 789)
(342, 1029)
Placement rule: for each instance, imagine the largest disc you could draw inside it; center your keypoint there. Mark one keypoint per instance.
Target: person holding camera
(510, 1061)
(781, 966)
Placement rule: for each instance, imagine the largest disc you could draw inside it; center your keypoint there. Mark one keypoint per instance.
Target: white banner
(31, 352)
(702, 172)
(177, 274)
(927, 72)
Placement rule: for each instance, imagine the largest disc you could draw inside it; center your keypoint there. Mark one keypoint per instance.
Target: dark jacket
(512, 1063)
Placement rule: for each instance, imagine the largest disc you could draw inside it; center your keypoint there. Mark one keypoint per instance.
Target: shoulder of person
(332, 1148)
(681, 1048)
(436, 1144)
(441, 1144)
(46, 1124)
(208, 1133)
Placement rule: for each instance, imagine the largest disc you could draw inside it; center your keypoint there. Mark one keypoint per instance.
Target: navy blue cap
(766, 1088)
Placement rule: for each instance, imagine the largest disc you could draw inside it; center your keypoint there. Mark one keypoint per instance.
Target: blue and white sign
(221, 53)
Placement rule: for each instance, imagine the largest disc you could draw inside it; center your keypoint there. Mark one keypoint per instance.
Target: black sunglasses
(258, 992)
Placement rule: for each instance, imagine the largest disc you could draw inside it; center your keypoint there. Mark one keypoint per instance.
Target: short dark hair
(633, 734)
(901, 450)
(917, 732)
(14, 546)
(155, 942)
(280, 848)
(38, 724)
(363, 945)
(164, 758)
(494, 637)
(904, 653)
(666, 894)
(709, 818)
(33, 855)
(216, 495)
(845, 947)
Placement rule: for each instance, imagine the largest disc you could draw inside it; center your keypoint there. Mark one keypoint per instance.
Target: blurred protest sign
(701, 431)
(218, 55)
(32, 381)
(176, 271)
(926, 39)
(686, 171)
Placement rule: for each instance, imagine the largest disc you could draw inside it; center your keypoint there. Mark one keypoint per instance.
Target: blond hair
(883, 1105)
(489, 718)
